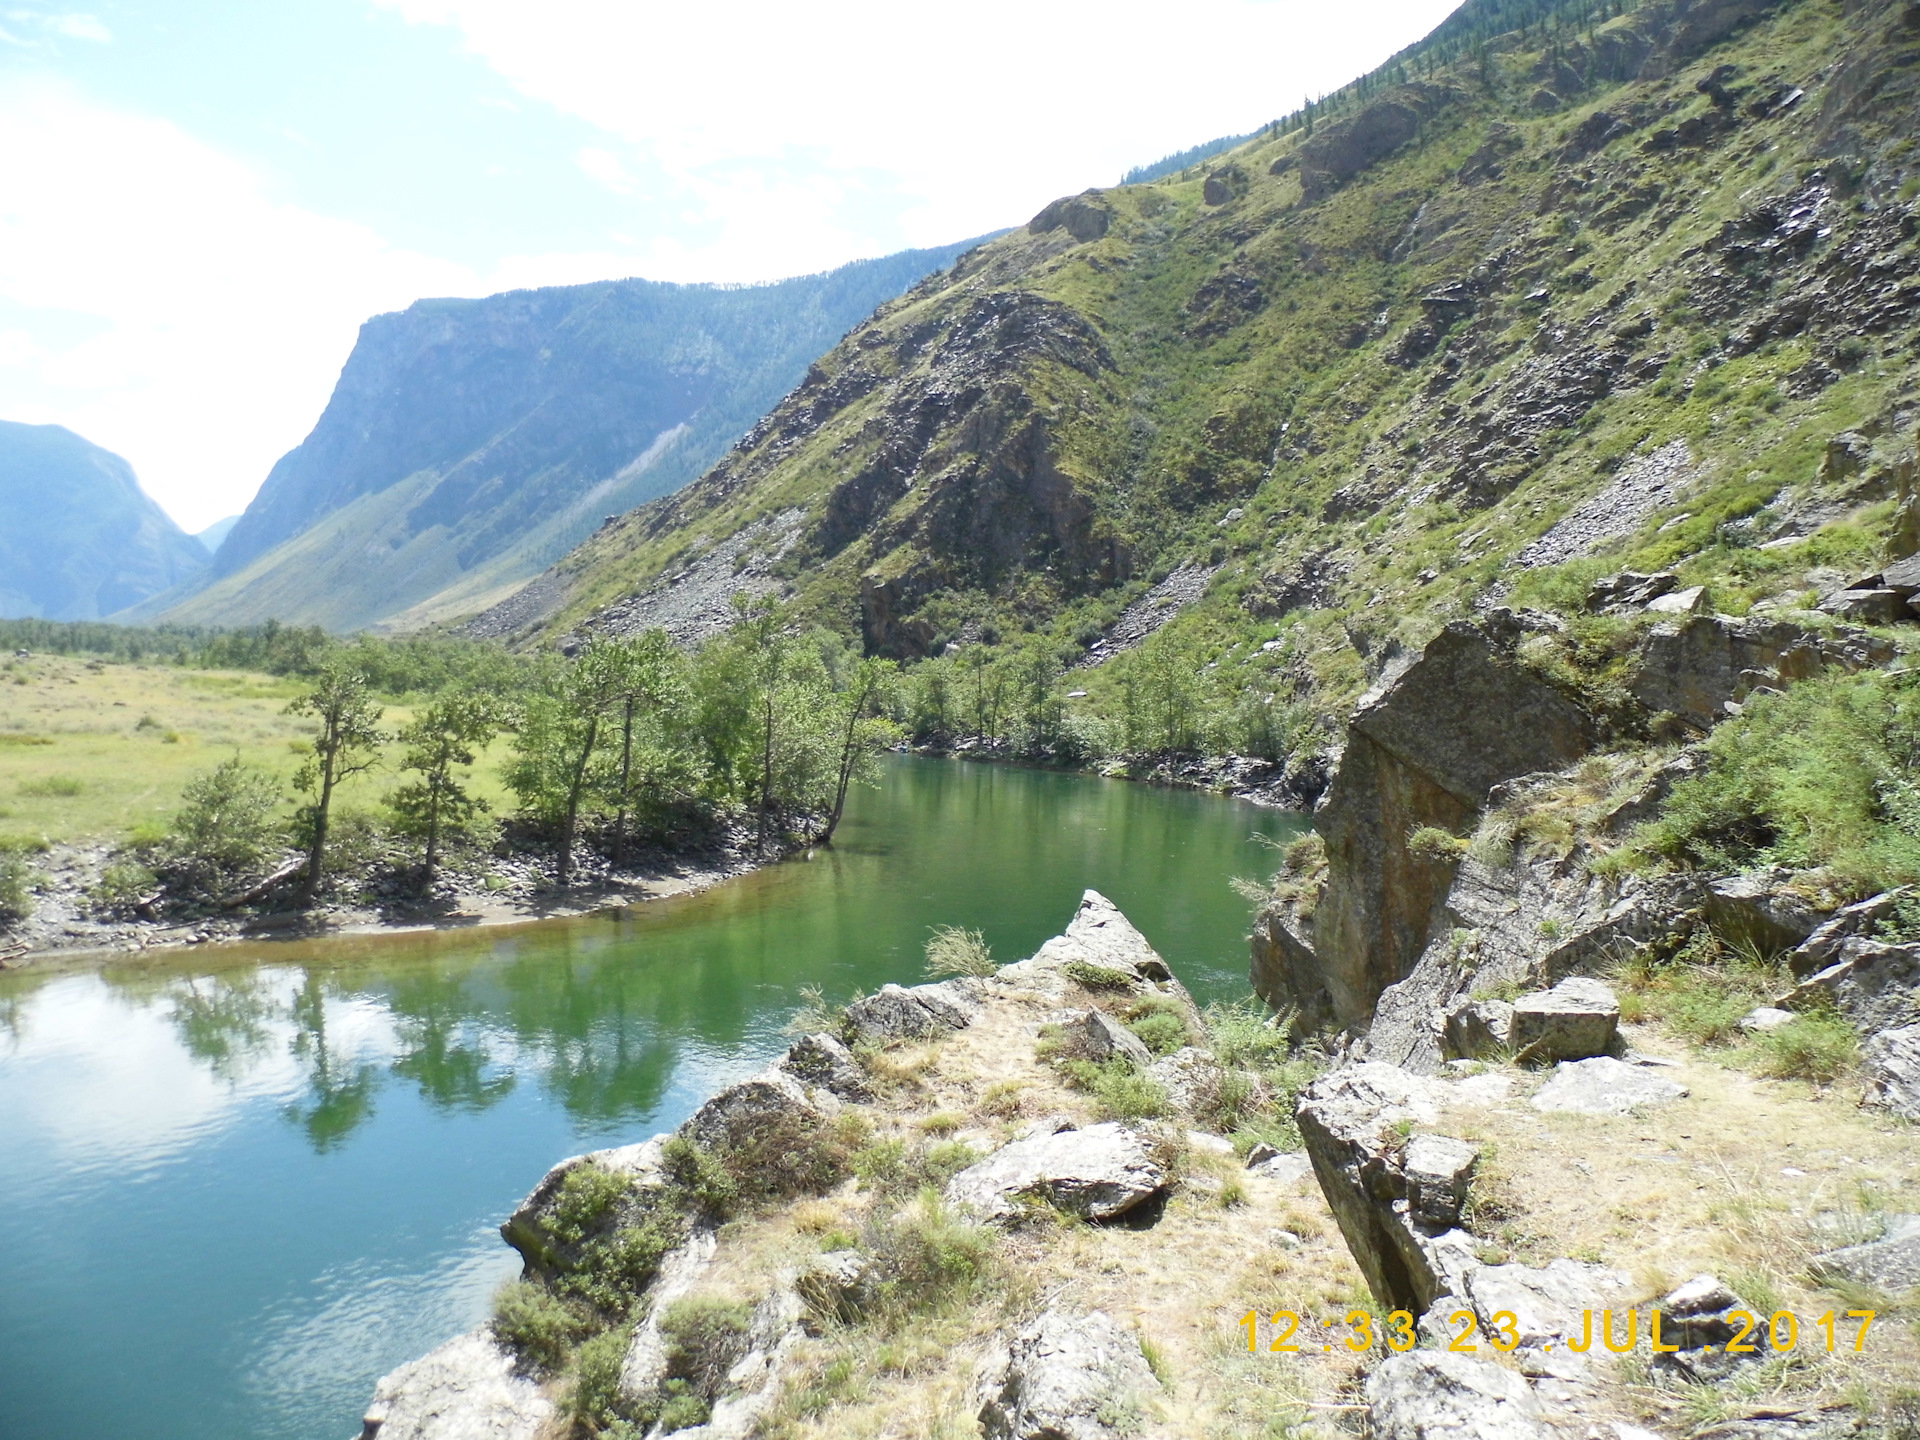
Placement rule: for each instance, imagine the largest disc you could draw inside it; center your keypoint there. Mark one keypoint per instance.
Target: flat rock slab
(1576, 1019)
(465, 1390)
(921, 1012)
(1066, 1377)
(1435, 1395)
(1548, 1303)
(1891, 1263)
(1604, 1086)
(1287, 1169)
(1096, 1173)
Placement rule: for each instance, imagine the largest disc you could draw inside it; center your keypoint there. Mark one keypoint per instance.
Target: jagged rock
(837, 1285)
(1629, 590)
(1229, 182)
(529, 1229)
(1694, 668)
(1085, 216)
(1338, 152)
(1548, 1303)
(734, 1117)
(468, 1389)
(1858, 920)
(1095, 1035)
(1096, 1173)
(1694, 1317)
(1284, 965)
(1434, 1395)
(1189, 1076)
(1424, 748)
(1891, 1061)
(1891, 1263)
(1575, 1020)
(1763, 1018)
(1439, 1169)
(822, 1060)
(1762, 911)
(1867, 607)
(1351, 1120)
(920, 1012)
(753, 1380)
(1065, 1377)
(1691, 601)
(1478, 1028)
(1491, 934)
(1604, 1086)
(1875, 985)
(1100, 950)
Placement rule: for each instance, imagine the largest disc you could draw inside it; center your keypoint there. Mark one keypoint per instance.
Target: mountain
(79, 538)
(214, 534)
(469, 443)
(1564, 287)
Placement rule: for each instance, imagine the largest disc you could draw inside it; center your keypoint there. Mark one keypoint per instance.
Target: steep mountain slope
(79, 538)
(471, 442)
(1561, 281)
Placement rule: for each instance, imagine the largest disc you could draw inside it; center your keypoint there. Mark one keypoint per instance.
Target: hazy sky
(200, 200)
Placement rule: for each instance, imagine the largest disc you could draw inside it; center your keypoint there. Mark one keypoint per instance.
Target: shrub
(588, 1196)
(49, 787)
(225, 830)
(1246, 1034)
(704, 1337)
(892, 1167)
(1820, 1048)
(927, 1257)
(699, 1172)
(953, 951)
(1160, 1022)
(16, 885)
(1096, 977)
(124, 883)
(1434, 845)
(1119, 1091)
(612, 1272)
(535, 1324)
(596, 1401)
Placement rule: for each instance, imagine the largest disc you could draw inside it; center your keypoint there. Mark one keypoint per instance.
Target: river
(244, 1184)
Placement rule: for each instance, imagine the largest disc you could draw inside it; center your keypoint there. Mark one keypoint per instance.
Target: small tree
(346, 743)
(560, 732)
(226, 828)
(648, 676)
(441, 739)
(783, 691)
(863, 730)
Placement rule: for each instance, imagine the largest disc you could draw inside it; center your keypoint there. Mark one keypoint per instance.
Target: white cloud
(221, 315)
(80, 27)
(881, 123)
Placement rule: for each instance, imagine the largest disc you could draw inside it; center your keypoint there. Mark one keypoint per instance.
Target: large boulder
(1891, 1061)
(1066, 1377)
(1096, 1035)
(531, 1231)
(918, 1012)
(1336, 153)
(1084, 216)
(1435, 1395)
(1396, 1201)
(1423, 750)
(1826, 945)
(1875, 985)
(1762, 910)
(1098, 936)
(1697, 1317)
(1604, 1086)
(1549, 1303)
(468, 1389)
(822, 1061)
(744, 1113)
(1575, 1020)
(1285, 969)
(1097, 1173)
(1697, 667)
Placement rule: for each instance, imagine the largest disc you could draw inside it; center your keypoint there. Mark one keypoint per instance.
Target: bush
(1160, 1022)
(927, 1258)
(699, 1172)
(1820, 1048)
(1089, 976)
(535, 1324)
(953, 951)
(225, 831)
(704, 1337)
(1119, 1091)
(124, 883)
(16, 886)
(588, 1197)
(596, 1400)
(612, 1272)
(892, 1167)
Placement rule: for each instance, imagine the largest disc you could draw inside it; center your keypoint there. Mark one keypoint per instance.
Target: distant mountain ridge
(79, 538)
(470, 443)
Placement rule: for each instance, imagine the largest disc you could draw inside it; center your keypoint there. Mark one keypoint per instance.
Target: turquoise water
(243, 1186)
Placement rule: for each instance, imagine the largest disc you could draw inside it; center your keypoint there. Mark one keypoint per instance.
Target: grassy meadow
(94, 751)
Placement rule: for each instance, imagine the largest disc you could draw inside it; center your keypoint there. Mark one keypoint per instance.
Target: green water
(241, 1187)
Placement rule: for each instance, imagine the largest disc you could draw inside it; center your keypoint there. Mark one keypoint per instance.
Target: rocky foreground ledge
(1037, 1204)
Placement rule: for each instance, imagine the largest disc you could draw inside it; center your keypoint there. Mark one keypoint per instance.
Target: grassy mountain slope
(1359, 364)
(469, 443)
(79, 538)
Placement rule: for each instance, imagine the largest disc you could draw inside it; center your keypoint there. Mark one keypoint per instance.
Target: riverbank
(1292, 784)
(67, 925)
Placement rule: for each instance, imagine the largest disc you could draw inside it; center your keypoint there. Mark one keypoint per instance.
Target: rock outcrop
(1097, 1173)
(468, 1389)
(1604, 1086)
(919, 1012)
(1067, 1377)
(1434, 1395)
(1423, 751)
(1575, 1020)
(1698, 667)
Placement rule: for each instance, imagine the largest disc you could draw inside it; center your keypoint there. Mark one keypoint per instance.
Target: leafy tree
(346, 742)
(648, 677)
(778, 725)
(226, 829)
(864, 730)
(1161, 696)
(930, 713)
(560, 731)
(441, 739)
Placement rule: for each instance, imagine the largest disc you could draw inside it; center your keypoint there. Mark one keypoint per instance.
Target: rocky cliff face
(471, 442)
(79, 538)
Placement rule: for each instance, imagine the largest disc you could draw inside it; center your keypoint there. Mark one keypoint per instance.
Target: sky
(201, 200)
